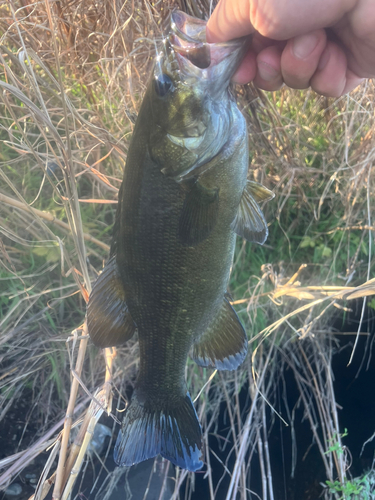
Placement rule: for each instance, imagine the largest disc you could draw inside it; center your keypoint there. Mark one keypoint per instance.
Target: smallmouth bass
(184, 197)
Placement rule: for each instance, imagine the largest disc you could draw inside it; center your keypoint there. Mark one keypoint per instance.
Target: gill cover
(190, 100)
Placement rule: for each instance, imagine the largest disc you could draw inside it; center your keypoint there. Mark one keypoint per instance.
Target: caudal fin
(174, 433)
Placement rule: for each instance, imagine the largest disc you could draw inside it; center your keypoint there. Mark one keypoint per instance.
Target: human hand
(326, 44)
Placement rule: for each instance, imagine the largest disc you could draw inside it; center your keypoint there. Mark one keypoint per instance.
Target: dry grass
(72, 78)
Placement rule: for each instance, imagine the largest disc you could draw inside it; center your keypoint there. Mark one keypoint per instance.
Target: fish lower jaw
(189, 143)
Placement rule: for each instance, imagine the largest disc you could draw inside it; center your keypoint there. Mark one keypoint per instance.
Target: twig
(28, 455)
(232, 489)
(82, 441)
(69, 413)
(50, 218)
(44, 484)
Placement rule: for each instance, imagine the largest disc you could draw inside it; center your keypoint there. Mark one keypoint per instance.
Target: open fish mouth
(187, 38)
(195, 75)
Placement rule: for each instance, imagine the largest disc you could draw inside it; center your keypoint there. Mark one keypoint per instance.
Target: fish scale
(184, 197)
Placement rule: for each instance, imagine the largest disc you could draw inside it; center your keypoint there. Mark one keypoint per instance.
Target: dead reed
(72, 78)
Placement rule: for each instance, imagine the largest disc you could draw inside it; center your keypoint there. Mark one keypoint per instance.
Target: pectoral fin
(224, 344)
(259, 192)
(199, 214)
(108, 319)
(249, 221)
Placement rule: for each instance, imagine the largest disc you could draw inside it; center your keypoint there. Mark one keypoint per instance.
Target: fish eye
(163, 84)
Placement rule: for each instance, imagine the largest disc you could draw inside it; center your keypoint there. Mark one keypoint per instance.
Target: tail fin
(174, 433)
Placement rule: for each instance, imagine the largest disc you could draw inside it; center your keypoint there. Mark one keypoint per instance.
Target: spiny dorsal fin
(224, 344)
(199, 214)
(249, 221)
(108, 319)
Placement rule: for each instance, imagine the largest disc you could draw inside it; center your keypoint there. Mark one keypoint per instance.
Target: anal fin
(199, 214)
(224, 344)
(108, 319)
(249, 221)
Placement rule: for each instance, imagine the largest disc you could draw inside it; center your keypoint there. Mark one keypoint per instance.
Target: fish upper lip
(187, 38)
(194, 48)
(187, 27)
(197, 52)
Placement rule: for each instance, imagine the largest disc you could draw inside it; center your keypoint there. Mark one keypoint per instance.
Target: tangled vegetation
(72, 79)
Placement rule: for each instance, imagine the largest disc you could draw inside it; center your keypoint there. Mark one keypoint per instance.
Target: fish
(185, 196)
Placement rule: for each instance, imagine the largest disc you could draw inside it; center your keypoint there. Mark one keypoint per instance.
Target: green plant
(357, 488)
(315, 153)
(347, 489)
(335, 445)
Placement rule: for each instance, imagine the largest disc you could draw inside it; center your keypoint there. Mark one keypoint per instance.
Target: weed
(358, 488)
(66, 120)
(334, 444)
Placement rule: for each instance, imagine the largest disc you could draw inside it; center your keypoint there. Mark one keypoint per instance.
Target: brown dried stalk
(50, 218)
(80, 445)
(69, 416)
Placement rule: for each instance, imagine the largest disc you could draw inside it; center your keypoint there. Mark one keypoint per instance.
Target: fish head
(191, 105)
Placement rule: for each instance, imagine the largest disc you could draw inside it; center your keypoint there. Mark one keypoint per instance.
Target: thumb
(230, 19)
(275, 19)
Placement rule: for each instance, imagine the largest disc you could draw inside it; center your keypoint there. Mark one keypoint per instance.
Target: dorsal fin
(108, 319)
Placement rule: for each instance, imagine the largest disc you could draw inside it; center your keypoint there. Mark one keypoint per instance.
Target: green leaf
(41, 251)
(307, 242)
(52, 254)
(327, 252)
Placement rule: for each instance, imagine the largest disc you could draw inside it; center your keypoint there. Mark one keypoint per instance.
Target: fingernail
(324, 59)
(267, 72)
(303, 45)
